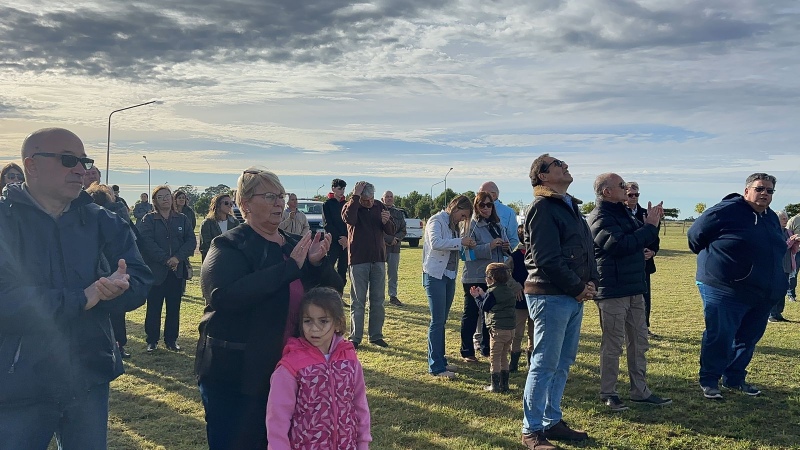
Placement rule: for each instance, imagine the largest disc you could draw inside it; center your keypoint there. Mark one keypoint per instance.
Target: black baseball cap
(338, 182)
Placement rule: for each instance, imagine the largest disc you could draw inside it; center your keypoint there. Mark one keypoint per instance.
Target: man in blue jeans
(66, 264)
(562, 274)
(740, 248)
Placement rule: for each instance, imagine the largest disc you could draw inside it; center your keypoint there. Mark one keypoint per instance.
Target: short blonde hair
(252, 179)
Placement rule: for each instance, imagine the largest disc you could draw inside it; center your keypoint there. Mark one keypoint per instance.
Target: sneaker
(451, 368)
(747, 388)
(125, 355)
(773, 319)
(395, 301)
(446, 374)
(792, 298)
(562, 432)
(652, 335)
(711, 392)
(469, 359)
(379, 343)
(654, 400)
(151, 347)
(537, 441)
(614, 403)
(173, 346)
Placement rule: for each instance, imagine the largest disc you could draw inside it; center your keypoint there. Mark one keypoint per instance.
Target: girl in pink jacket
(318, 399)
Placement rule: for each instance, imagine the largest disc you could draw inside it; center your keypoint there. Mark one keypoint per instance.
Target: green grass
(156, 403)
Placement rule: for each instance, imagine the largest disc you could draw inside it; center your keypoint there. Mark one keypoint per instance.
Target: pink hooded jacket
(318, 404)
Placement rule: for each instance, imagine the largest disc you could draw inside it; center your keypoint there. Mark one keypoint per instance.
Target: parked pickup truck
(413, 230)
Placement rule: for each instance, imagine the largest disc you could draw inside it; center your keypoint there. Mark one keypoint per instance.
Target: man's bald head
(388, 198)
(490, 188)
(46, 139)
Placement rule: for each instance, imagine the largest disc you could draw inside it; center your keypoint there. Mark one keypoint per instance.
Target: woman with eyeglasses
(181, 205)
(12, 173)
(167, 242)
(492, 245)
(220, 219)
(440, 247)
(253, 279)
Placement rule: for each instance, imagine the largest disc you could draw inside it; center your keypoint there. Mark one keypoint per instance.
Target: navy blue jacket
(619, 243)
(740, 251)
(162, 239)
(51, 349)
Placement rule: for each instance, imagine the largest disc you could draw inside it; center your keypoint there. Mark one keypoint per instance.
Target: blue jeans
(729, 340)
(79, 424)
(233, 420)
(440, 298)
(556, 331)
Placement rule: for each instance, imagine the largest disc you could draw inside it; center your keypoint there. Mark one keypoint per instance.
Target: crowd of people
(276, 364)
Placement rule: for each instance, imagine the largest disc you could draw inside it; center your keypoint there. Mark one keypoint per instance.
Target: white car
(313, 211)
(413, 230)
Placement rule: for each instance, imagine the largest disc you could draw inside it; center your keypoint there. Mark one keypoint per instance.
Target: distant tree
(699, 208)
(671, 212)
(587, 207)
(792, 209)
(517, 206)
(202, 205)
(192, 193)
(218, 189)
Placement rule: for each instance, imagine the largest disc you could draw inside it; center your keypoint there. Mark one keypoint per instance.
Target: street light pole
(108, 138)
(148, 174)
(434, 184)
(445, 187)
(323, 185)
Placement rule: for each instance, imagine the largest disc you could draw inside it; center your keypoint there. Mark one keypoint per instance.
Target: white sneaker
(446, 374)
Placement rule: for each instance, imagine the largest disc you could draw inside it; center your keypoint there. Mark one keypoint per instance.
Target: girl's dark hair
(329, 301)
(212, 207)
(497, 272)
(485, 197)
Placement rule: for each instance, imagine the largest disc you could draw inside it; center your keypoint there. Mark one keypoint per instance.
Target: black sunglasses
(546, 167)
(635, 194)
(770, 191)
(485, 205)
(69, 161)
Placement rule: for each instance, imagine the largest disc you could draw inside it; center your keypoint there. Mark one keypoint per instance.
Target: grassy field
(156, 403)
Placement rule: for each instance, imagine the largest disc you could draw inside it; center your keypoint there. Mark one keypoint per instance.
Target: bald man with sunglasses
(65, 265)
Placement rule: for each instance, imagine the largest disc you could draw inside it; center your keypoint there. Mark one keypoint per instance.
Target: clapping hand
(319, 247)
(108, 288)
(476, 291)
(654, 213)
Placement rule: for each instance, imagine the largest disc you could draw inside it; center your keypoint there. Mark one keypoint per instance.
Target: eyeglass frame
(546, 167)
(281, 196)
(759, 189)
(15, 176)
(87, 163)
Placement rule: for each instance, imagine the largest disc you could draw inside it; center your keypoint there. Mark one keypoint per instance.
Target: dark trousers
(647, 303)
(732, 331)
(120, 328)
(469, 324)
(79, 424)
(170, 290)
(233, 420)
(338, 257)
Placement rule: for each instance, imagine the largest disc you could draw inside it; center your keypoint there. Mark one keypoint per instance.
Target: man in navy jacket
(740, 247)
(65, 264)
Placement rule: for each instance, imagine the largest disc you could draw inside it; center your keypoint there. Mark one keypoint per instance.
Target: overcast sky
(685, 97)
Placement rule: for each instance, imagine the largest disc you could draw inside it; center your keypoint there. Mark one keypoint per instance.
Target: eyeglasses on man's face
(633, 195)
(272, 198)
(556, 162)
(759, 189)
(68, 160)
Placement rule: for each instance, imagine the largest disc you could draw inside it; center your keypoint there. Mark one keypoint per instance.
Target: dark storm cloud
(144, 41)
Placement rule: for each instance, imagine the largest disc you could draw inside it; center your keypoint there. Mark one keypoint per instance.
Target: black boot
(495, 386)
(513, 366)
(504, 381)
